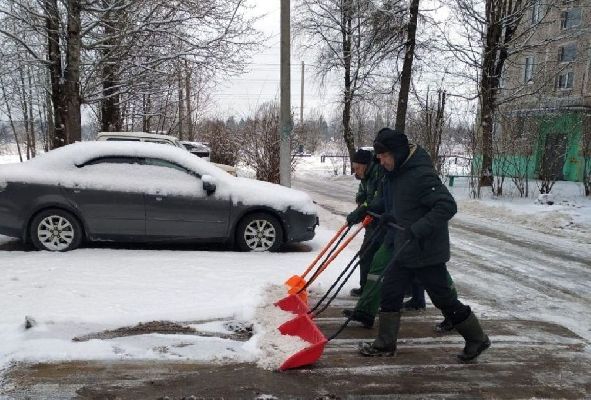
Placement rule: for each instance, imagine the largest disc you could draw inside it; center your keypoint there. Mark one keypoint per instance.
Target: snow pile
(274, 347)
(65, 167)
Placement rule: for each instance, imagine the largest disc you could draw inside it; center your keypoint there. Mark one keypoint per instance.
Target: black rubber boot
(412, 305)
(366, 319)
(444, 326)
(476, 340)
(385, 344)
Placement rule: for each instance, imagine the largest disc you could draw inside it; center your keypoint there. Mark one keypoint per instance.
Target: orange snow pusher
(302, 325)
(297, 284)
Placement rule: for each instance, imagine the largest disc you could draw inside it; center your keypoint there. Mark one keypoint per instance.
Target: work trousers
(369, 302)
(367, 258)
(436, 281)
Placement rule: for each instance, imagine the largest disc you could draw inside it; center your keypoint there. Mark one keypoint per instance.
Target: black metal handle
(390, 224)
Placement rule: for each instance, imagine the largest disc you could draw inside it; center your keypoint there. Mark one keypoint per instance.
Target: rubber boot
(444, 326)
(476, 340)
(385, 343)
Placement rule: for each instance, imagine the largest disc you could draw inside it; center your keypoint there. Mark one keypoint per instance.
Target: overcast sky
(240, 96)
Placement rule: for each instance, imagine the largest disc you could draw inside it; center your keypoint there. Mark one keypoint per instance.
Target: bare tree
(427, 127)
(260, 142)
(122, 57)
(353, 38)
(494, 35)
(406, 76)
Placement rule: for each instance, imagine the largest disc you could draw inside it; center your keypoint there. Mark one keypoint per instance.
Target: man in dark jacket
(370, 173)
(418, 201)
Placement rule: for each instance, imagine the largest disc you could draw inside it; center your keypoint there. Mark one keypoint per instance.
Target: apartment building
(546, 89)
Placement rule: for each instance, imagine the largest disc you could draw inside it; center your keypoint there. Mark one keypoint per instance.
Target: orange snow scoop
(303, 327)
(293, 303)
(302, 285)
(298, 281)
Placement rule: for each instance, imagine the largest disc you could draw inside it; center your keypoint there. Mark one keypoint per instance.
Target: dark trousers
(434, 278)
(418, 294)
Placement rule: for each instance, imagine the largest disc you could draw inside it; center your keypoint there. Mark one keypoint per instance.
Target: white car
(154, 138)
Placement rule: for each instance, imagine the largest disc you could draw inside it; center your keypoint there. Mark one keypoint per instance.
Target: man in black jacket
(417, 200)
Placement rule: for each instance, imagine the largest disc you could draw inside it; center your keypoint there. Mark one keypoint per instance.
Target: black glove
(356, 216)
(407, 235)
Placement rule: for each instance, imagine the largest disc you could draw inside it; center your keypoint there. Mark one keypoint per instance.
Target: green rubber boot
(385, 343)
(476, 340)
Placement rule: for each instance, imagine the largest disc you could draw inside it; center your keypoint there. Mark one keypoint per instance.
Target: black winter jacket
(419, 201)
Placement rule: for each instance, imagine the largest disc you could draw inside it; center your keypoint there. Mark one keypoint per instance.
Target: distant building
(545, 110)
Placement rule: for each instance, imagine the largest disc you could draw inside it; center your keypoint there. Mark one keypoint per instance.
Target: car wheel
(55, 230)
(259, 232)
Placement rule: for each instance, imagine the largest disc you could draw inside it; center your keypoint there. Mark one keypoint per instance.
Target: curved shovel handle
(324, 250)
(366, 222)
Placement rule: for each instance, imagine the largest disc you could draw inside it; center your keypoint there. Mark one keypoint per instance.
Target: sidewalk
(527, 359)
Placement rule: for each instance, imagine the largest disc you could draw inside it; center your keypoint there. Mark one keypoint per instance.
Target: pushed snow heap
(275, 348)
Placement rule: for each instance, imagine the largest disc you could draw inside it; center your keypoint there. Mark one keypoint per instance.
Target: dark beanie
(392, 141)
(362, 156)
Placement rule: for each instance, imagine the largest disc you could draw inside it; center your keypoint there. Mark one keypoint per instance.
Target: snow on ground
(95, 289)
(571, 213)
(91, 290)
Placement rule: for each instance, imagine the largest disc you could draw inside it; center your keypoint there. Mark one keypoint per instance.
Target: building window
(565, 80)
(528, 70)
(570, 18)
(567, 53)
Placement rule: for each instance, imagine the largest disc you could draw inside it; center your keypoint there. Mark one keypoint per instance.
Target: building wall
(559, 109)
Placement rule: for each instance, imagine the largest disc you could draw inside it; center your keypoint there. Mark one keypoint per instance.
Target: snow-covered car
(198, 149)
(135, 191)
(156, 138)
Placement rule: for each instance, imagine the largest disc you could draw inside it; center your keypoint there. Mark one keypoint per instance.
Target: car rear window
(113, 160)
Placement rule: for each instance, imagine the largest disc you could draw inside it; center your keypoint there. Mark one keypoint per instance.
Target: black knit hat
(392, 141)
(362, 156)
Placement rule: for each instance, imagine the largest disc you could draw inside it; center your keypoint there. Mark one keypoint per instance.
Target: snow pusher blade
(303, 327)
(293, 303)
(296, 282)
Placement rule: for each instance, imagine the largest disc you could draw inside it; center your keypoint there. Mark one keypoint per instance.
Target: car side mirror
(209, 184)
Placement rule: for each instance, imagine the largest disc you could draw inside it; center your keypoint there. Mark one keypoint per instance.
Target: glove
(356, 216)
(408, 235)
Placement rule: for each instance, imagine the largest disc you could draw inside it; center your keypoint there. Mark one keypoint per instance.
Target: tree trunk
(55, 72)
(188, 108)
(145, 113)
(31, 119)
(406, 76)
(25, 111)
(72, 74)
(347, 19)
(111, 118)
(181, 101)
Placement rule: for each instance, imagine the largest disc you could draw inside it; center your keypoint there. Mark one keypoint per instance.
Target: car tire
(55, 230)
(259, 232)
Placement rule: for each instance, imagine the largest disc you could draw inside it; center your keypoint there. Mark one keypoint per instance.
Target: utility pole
(285, 124)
